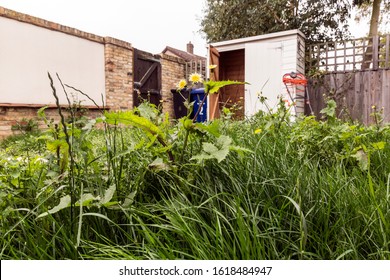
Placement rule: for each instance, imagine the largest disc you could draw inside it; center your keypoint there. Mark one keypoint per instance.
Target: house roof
(182, 54)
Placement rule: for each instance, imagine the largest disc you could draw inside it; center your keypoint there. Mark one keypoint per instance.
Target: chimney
(190, 48)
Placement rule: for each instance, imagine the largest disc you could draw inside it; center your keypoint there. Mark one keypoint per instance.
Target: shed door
(214, 75)
(263, 72)
(147, 78)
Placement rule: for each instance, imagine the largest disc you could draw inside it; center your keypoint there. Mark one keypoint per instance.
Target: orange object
(291, 81)
(294, 79)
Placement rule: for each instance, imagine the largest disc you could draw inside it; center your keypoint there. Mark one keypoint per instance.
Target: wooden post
(375, 52)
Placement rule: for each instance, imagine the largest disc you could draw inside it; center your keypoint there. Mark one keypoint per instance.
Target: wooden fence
(351, 55)
(355, 94)
(355, 73)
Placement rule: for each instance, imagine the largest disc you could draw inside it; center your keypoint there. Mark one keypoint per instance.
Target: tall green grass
(301, 190)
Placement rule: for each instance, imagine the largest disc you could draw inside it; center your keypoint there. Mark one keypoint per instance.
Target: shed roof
(239, 43)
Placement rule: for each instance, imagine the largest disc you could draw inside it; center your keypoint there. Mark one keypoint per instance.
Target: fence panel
(355, 94)
(369, 53)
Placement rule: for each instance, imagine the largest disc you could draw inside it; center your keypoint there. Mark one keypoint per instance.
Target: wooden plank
(375, 52)
(387, 58)
(386, 95)
(359, 91)
(354, 56)
(371, 97)
(351, 96)
(148, 73)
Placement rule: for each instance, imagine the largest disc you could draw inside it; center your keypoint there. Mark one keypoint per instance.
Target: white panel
(28, 52)
(263, 70)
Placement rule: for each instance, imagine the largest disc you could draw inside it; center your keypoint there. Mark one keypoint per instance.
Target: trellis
(370, 53)
(196, 66)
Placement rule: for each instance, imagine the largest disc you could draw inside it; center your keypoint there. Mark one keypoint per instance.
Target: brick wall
(119, 74)
(172, 71)
(118, 59)
(13, 117)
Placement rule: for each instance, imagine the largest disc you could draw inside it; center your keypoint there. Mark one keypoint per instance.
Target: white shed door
(263, 70)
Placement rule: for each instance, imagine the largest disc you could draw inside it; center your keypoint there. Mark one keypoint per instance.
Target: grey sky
(149, 25)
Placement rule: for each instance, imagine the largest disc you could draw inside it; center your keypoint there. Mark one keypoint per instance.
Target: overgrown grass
(293, 190)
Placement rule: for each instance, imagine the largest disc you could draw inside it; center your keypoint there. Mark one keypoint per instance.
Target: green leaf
(219, 151)
(129, 200)
(130, 118)
(158, 165)
(213, 86)
(379, 145)
(212, 128)
(330, 109)
(362, 158)
(108, 194)
(41, 112)
(64, 203)
(86, 199)
(148, 111)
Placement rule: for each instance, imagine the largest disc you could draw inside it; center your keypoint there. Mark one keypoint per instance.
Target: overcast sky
(149, 25)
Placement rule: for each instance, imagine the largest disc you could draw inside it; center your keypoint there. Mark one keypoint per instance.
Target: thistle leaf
(213, 86)
(64, 203)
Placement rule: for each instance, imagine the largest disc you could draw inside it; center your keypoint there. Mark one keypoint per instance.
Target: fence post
(375, 52)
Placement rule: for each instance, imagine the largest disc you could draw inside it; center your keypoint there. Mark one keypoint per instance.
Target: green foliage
(268, 187)
(26, 125)
(318, 20)
(214, 86)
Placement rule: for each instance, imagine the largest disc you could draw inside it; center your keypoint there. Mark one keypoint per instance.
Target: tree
(375, 13)
(375, 19)
(376, 10)
(318, 20)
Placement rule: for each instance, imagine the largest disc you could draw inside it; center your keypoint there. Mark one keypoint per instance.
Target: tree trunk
(374, 25)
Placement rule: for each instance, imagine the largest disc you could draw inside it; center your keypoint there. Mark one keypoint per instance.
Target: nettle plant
(157, 146)
(167, 141)
(220, 148)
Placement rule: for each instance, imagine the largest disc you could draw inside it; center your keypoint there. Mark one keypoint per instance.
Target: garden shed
(259, 60)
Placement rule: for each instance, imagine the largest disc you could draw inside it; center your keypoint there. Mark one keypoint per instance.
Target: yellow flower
(182, 84)
(196, 78)
(212, 66)
(257, 131)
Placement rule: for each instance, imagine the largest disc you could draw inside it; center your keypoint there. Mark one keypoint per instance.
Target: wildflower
(373, 107)
(257, 131)
(195, 78)
(182, 84)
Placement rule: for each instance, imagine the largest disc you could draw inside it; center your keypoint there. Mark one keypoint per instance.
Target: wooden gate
(147, 78)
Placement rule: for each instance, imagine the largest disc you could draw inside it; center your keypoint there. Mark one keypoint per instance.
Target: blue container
(198, 95)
